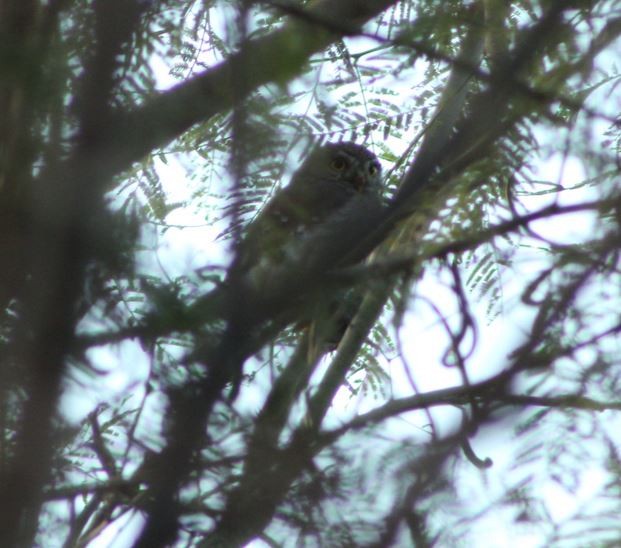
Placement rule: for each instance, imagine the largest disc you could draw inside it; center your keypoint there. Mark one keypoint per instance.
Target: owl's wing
(287, 218)
(345, 237)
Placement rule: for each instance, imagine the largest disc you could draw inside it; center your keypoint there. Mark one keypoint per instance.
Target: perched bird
(321, 195)
(316, 223)
(332, 201)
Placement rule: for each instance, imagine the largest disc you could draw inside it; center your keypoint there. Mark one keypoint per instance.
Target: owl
(320, 195)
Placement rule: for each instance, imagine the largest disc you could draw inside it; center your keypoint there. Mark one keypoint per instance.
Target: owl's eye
(373, 169)
(339, 164)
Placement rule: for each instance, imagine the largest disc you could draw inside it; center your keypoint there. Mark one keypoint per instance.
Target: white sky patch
(121, 369)
(564, 173)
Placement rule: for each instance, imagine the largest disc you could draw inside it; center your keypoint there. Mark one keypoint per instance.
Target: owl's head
(346, 162)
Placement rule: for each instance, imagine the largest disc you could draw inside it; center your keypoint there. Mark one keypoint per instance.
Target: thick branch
(58, 253)
(274, 58)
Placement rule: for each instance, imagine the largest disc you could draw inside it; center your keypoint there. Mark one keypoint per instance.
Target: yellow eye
(339, 164)
(373, 169)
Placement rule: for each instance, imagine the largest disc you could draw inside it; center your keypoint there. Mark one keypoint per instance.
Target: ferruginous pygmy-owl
(328, 183)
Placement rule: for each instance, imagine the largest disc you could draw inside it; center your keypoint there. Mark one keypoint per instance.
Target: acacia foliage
(463, 102)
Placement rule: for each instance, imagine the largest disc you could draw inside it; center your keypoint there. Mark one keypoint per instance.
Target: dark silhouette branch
(59, 252)
(275, 58)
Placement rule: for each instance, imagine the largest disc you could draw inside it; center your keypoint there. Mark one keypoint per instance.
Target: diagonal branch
(275, 58)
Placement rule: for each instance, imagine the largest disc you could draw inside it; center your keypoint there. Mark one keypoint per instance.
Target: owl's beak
(359, 180)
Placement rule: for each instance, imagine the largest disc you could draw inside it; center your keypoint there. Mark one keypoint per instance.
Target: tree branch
(274, 58)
